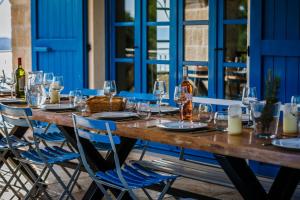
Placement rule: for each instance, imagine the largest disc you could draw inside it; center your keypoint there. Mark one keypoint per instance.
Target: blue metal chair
(46, 156)
(11, 170)
(126, 178)
(136, 96)
(92, 92)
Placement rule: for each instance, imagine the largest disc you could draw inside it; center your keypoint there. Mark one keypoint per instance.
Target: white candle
(289, 124)
(290, 120)
(54, 96)
(234, 125)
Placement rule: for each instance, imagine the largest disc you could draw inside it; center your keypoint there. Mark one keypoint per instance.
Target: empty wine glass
(47, 80)
(205, 113)
(11, 81)
(58, 83)
(110, 90)
(249, 96)
(159, 91)
(55, 88)
(181, 98)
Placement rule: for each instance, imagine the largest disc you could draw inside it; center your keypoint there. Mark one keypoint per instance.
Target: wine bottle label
(22, 83)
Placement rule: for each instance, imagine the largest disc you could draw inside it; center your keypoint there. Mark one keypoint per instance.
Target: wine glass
(11, 81)
(57, 83)
(159, 91)
(205, 112)
(47, 80)
(110, 90)
(181, 98)
(249, 96)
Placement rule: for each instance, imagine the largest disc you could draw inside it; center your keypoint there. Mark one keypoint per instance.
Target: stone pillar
(21, 32)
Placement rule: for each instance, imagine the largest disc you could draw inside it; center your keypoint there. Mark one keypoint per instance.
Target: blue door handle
(42, 49)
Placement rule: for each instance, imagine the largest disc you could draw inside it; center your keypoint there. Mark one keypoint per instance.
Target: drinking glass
(221, 120)
(47, 80)
(249, 96)
(181, 98)
(81, 105)
(11, 81)
(2, 78)
(144, 110)
(159, 91)
(130, 104)
(110, 90)
(78, 97)
(205, 113)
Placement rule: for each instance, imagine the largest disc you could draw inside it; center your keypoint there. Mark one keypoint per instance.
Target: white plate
(185, 126)
(114, 115)
(290, 143)
(57, 107)
(164, 109)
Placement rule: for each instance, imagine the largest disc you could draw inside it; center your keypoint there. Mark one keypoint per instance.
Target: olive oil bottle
(20, 80)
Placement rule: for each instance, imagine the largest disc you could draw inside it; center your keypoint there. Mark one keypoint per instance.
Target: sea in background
(6, 62)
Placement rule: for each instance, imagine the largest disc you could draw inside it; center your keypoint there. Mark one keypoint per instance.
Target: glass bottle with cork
(20, 82)
(188, 106)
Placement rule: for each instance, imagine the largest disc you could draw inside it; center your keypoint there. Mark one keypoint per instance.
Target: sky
(5, 19)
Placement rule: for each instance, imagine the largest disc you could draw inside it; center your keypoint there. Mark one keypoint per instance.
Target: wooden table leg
(96, 160)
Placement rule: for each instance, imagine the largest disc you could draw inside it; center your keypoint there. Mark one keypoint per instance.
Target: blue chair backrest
(15, 116)
(138, 96)
(94, 130)
(92, 92)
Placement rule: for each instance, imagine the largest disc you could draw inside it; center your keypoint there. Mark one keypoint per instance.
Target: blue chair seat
(135, 175)
(53, 155)
(15, 142)
(50, 135)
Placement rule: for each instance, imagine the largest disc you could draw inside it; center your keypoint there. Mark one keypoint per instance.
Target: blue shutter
(58, 40)
(275, 44)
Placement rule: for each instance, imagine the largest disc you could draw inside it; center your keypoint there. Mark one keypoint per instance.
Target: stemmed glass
(110, 90)
(249, 96)
(181, 98)
(159, 91)
(47, 80)
(56, 87)
(11, 81)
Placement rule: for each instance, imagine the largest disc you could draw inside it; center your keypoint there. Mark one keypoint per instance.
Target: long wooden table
(230, 151)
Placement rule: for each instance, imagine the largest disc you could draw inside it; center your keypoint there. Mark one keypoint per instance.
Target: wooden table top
(244, 146)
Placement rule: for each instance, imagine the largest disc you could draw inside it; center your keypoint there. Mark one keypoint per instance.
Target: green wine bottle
(20, 83)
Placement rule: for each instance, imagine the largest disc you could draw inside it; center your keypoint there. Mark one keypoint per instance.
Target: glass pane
(157, 72)
(125, 76)
(235, 43)
(124, 42)
(158, 10)
(158, 42)
(196, 10)
(234, 81)
(236, 9)
(196, 43)
(125, 10)
(198, 75)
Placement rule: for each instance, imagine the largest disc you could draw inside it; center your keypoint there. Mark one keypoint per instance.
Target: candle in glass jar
(290, 120)
(54, 96)
(234, 125)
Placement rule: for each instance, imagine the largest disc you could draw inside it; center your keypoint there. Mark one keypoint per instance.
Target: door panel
(58, 43)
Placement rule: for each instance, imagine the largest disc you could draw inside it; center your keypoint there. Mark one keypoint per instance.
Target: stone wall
(21, 32)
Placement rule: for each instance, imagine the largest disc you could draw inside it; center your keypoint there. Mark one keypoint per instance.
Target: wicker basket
(101, 104)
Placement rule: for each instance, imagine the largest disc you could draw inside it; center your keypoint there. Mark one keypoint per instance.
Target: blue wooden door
(58, 40)
(275, 45)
